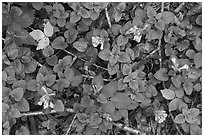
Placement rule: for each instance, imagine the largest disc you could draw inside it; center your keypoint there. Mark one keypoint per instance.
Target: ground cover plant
(96, 68)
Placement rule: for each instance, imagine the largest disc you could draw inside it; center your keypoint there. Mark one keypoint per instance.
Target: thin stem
(88, 76)
(71, 124)
(162, 6)
(179, 131)
(179, 7)
(108, 18)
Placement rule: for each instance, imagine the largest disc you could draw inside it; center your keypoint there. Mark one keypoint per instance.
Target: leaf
(179, 119)
(50, 79)
(48, 51)
(17, 93)
(52, 61)
(121, 40)
(59, 43)
(15, 113)
(5, 107)
(69, 73)
(71, 35)
(102, 99)
(120, 100)
(118, 16)
(186, 127)
(86, 101)
(193, 112)
(199, 20)
(82, 117)
(58, 106)
(74, 17)
(93, 14)
(151, 91)
(174, 104)
(124, 57)
(80, 45)
(176, 81)
(160, 25)
(84, 13)
(126, 69)
(179, 92)
(151, 12)
(198, 60)
(195, 129)
(23, 105)
(161, 74)
(152, 34)
(168, 17)
(105, 54)
(109, 89)
(131, 53)
(76, 80)
(168, 94)
(48, 29)
(188, 87)
(43, 43)
(133, 84)
(61, 22)
(113, 69)
(95, 119)
(98, 81)
(23, 131)
(37, 34)
(37, 5)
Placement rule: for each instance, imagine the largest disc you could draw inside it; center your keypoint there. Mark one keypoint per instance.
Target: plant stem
(162, 6)
(71, 124)
(179, 7)
(108, 18)
(88, 76)
(179, 131)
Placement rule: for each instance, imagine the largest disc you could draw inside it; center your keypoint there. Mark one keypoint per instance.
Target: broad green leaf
(37, 5)
(121, 40)
(23, 105)
(168, 17)
(82, 117)
(199, 20)
(176, 81)
(193, 112)
(109, 89)
(74, 17)
(113, 69)
(71, 35)
(69, 73)
(50, 79)
(139, 16)
(48, 29)
(102, 98)
(23, 131)
(5, 107)
(95, 119)
(52, 61)
(188, 87)
(179, 92)
(133, 84)
(48, 51)
(152, 34)
(161, 74)
(186, 127)
(93, 14)
(197, 87)
(190, 53)
(160, 25)
(124, 57)
(179, 119)
(151, 12)
(86, 101)
(32, 85)
(115, 28)
(131, 53)
(151, 91)
(168, 94)
(84, 13)
(198, 60)
(59, 43)
(80, 45)
(61, 22)
(195, 129)
(120, 100)
(118, 16)
(121, 84)
(98, 81)
(76, 80)
(105, 54)
(37, 34)
(126, 69)
(15, 113)
(17, 93)
(58, 106)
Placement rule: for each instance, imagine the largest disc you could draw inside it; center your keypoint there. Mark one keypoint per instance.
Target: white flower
(45, 99)
(98, 40)
(160, 116)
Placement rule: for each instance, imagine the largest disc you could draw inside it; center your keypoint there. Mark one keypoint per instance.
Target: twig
(179, 7)
(42, 113)
(108, 18)
(179, 131)
(71, 124)
(88, 76)
(162, 6)
(129, 129)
